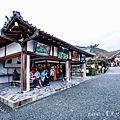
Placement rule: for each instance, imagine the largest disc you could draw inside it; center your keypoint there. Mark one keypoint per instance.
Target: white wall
(30, 45)
(117, 59)
(67, 70)
(13, 48)
(2, 52)
(28, 73)
(4, 70)
(51, 51)
(5, 79)
(70, 55)
(79, 57)
(84, 69)
(55, 51)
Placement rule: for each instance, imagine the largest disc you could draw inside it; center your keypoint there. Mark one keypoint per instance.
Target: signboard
(42, 49)
(13, 62)
(75, 56)
(83, 58)
(62, 53)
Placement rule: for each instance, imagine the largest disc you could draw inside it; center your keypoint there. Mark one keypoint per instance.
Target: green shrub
(92, 71)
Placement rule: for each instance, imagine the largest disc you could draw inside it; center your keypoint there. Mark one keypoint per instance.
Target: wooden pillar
(5, 50)
(23, 67)
(52, 50)
(69, 66)
(69, 71)
(59, 67)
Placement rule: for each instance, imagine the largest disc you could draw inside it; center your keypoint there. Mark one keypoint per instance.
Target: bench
(65, 79)
(15, 82)
(18, 83)
(80, 73)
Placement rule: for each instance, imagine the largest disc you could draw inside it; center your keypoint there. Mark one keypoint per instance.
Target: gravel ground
(96, 99)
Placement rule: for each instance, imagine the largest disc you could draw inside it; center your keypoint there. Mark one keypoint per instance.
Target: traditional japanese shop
(23, 46)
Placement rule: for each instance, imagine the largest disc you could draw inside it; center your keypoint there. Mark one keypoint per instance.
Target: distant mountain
(93, 49)
(99, 49)
(105, 53)
(118, 50)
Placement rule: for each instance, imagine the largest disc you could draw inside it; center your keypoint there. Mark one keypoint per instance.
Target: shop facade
(23, 46)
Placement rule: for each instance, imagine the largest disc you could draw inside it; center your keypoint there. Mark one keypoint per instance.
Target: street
(96, 99)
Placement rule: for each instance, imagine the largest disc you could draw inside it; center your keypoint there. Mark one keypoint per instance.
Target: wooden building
(23, 46)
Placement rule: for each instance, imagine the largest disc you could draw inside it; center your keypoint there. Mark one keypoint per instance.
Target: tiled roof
(17, 15)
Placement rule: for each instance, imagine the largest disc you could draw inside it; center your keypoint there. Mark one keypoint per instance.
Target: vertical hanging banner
(83, 58)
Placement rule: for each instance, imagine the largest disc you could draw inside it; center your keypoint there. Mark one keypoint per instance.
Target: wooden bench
(80, 73)
(65, 79)
(15, 82)
(18, 83)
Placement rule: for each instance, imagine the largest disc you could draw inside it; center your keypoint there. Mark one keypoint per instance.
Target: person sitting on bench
(36, 77)
(15, 76)
(42, 77)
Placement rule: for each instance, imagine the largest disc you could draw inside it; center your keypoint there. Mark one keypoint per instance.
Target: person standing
(42, 77)
(57, 72)
(47, 79)
(52, 73)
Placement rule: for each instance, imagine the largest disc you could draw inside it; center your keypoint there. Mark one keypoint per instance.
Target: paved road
(113, 70)
(96, 99)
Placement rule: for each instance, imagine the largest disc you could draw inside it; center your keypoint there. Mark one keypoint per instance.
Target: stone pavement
(113, 70)
(12, 97)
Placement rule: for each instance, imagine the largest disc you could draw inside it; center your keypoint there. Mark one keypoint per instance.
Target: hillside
(104, 53)
(93, 49)
(99, 49)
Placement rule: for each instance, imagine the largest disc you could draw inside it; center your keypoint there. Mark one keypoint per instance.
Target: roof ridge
(16, 14)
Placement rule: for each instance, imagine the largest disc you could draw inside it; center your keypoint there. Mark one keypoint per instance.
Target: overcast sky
(78, 22)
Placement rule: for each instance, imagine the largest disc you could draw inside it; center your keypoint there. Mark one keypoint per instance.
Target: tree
(97, 53)
(94, 46)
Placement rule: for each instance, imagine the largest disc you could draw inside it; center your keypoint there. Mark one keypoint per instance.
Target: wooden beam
(58, 43)
(10, 56)
(4, 44)
(49, 39)
(54, 41)
(22, 31)
(12, 27)
(12, 34)
(2, 41)
(25, 26)
(32, 36)
(52, 50)
(40, 35)
(24, 69)
(10, 39)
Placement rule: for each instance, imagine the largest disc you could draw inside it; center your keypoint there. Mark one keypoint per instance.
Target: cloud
(79, 22)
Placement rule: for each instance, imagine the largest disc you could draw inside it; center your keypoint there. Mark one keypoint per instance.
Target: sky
(78, 22)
